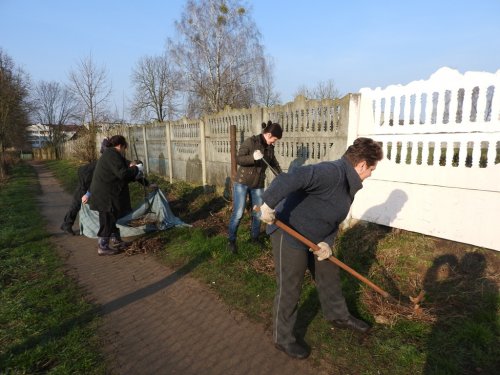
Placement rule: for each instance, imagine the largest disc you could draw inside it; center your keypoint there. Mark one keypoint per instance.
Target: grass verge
(46, 326)
(454, 331)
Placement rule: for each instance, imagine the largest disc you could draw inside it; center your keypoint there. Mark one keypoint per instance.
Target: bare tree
(323, 90)
(53, 105)
(219, 53)
(89, 83)
(14, 106)
(265, 92)
(157, 85)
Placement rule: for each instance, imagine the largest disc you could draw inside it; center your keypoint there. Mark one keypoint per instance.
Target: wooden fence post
(145, 147)
(169, 150)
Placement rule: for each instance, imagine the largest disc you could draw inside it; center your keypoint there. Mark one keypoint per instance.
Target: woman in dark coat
(250, 177)
(109, 193)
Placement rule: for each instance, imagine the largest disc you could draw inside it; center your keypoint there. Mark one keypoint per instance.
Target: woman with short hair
(313, 200)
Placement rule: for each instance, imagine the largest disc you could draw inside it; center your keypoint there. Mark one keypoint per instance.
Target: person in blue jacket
(313, 200)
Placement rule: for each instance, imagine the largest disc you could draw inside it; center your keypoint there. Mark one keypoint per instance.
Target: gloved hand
(257, 155)
(140, 171)
(324, 252)
(267, 214)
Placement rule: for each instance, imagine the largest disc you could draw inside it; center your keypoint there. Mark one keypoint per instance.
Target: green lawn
(46, 326)
(455, 330)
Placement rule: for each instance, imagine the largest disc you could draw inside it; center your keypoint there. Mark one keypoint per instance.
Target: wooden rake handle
(332, 259)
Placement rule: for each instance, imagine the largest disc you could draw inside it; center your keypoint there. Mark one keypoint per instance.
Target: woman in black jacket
(251, 175)
(109, 193)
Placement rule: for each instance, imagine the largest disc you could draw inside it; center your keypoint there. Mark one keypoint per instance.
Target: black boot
(257, 241)
(231, 245)
(352, 323)
(67, 228)
(294, 350)
(103, 247)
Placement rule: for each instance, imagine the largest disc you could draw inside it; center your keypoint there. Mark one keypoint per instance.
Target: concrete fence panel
(441, 173)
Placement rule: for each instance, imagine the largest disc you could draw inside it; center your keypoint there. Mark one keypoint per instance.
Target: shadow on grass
(465, 304)
(357, 248)
(88, 316)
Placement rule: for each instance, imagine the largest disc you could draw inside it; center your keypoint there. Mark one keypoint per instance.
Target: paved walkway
(157, 320)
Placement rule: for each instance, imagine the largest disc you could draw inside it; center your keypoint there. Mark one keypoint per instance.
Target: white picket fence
(441, 173)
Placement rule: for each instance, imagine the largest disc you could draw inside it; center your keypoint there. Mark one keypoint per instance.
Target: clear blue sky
(362, 43)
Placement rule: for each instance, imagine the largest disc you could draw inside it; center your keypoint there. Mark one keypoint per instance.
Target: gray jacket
(314, 199)
(253, 172)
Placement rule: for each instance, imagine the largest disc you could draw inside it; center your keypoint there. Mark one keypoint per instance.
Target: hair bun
(104, 144)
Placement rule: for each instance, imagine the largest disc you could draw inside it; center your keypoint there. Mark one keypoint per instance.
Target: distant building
(38, 135)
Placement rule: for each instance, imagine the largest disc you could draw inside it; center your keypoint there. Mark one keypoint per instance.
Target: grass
(46, 326)
(456, 330)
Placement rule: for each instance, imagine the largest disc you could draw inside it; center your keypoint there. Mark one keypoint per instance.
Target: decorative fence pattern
(441, 138)
(441, 173)
(198, 150)
(313, 130)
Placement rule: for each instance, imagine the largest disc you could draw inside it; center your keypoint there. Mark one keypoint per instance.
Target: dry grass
(145, 245)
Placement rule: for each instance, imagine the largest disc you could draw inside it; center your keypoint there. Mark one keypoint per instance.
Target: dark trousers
(107, 225)
(70, 217)
(290, 267)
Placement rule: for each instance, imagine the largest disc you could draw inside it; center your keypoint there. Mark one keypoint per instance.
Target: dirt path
(156, 320)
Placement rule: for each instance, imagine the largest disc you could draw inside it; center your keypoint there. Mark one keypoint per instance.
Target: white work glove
(257, 155)
(140, 171)
(324, 252)
(267, 214)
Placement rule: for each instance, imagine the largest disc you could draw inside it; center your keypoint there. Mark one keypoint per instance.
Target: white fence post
(203, 153)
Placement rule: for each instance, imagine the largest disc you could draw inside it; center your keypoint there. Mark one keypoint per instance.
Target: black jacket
(109, 188)
(85, 173)
(253, 172)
